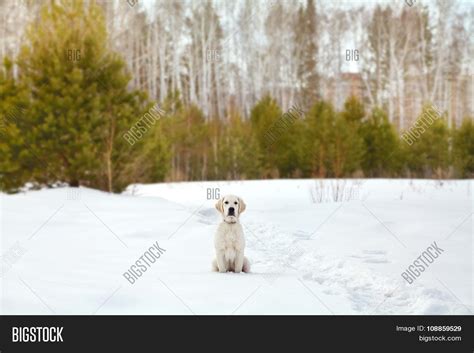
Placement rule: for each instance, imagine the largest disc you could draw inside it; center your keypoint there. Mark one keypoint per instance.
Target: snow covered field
(316, 248)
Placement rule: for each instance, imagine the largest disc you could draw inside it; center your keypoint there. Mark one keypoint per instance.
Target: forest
(105, 94)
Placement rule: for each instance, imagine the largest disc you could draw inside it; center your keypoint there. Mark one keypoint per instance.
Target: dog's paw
(214, 266)
(246, 265)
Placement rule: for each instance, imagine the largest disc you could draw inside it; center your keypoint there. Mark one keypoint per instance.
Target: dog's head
(230, 207)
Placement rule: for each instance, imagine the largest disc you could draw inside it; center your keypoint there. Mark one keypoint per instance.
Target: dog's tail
(246, 266)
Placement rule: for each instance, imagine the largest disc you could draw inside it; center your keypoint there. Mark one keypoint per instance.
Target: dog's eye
(227, 202)
(235, 203)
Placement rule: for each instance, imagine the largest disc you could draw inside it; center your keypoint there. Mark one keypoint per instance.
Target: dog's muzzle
(230, 219)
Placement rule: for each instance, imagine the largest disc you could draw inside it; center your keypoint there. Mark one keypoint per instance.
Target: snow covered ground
(316, 247)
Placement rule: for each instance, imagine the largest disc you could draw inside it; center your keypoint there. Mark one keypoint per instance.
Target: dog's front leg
(221, 262)
(239, 262)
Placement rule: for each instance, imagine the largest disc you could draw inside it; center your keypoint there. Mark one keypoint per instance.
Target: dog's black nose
(231, 210)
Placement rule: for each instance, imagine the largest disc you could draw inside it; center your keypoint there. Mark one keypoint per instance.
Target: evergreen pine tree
(463, 149)
(238, 154)
(264, 117)
(79, 102)
(319, 140)
(13, 168)
(354, 110)
(428, 156)
(348, 147)
(347, 139)
(381, 146)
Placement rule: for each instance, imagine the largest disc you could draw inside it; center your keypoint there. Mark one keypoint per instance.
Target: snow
(316, 247)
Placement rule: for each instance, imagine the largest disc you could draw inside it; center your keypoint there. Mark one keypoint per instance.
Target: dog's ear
(220, 205)
(242, 205)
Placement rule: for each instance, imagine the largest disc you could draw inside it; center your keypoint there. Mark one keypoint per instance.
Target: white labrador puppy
(229, 240)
